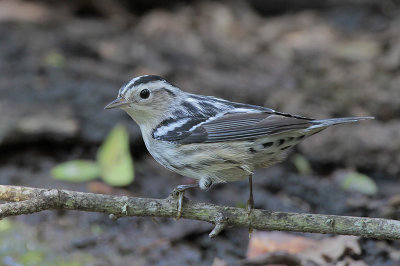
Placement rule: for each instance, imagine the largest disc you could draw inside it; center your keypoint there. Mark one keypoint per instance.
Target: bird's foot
(249, 206)
(179, 192)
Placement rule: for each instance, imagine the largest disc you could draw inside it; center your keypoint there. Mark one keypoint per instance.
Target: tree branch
(25, 200)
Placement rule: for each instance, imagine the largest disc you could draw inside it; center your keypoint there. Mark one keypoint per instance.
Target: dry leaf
(394, 200)
(219, 262)
(320, 252)
(100, 188)
(331, 249)
(274, 258)
(265, 242)
(23, 11)
(350, 262)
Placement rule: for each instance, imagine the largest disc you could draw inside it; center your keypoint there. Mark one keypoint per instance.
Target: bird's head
(146, 98)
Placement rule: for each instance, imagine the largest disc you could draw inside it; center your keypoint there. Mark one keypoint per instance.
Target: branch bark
(25, 200)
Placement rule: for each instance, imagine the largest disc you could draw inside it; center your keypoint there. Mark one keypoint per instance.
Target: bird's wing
(233, 126)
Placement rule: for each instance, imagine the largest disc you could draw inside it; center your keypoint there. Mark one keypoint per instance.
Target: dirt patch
(61, 68)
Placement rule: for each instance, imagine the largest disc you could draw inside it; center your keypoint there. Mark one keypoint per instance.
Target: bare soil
(61, 63)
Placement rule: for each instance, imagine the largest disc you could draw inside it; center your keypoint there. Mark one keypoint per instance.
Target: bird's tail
(335, 121)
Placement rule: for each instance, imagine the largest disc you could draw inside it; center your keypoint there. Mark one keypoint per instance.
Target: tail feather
(335, 121)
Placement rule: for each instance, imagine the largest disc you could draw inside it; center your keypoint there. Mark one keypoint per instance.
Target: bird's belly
(164, 153)
(222, 162)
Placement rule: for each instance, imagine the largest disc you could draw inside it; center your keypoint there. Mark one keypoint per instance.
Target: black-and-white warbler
(210, 139)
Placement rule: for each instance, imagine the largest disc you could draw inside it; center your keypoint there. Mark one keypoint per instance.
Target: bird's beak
(117, 103)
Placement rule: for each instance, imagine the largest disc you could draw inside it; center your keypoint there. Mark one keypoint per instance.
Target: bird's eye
(144, 94)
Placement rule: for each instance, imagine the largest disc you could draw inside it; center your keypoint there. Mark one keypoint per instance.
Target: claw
(250, 232)
(181, 195)
(179, 192)
(249, 206)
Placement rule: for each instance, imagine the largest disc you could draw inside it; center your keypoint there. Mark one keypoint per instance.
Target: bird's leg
(250, 201)
(179, 191)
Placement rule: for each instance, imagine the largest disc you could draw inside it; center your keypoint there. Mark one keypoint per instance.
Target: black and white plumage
(211, 139)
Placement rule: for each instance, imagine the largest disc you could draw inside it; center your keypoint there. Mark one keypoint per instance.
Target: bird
(209, 139)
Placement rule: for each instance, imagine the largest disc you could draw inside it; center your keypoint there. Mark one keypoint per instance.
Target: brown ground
(61, 63)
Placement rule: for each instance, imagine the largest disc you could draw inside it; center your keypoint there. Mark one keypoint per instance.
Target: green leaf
(240, 204)
(114, 158)
(32, 257)
(359, 182)
(54, 59)
(302, 165)
(5, 224)
(76, 171)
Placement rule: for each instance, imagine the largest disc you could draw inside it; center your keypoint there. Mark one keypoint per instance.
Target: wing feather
(237, 126)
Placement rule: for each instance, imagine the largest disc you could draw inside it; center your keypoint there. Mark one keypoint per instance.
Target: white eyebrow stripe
(128, 85)
(124, 89)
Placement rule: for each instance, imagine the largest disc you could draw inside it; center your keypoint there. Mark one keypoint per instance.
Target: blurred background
(61, 62)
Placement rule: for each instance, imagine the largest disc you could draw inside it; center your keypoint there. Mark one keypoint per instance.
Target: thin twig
(36, 200)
